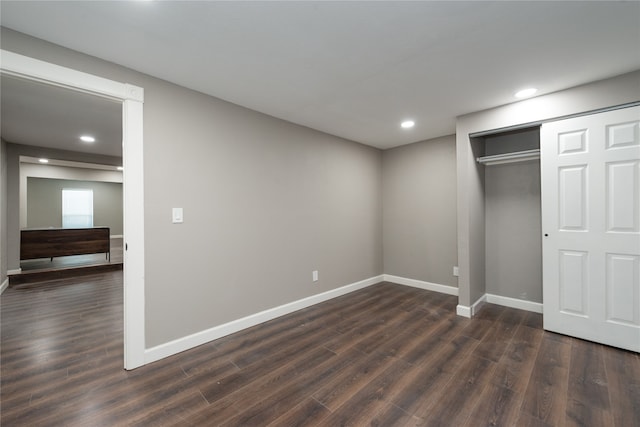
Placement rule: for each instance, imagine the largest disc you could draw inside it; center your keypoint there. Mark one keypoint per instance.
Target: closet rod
(516, 156)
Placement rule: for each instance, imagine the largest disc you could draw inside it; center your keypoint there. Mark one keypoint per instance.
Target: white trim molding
(116, 236)
(185, 343)
(17, 65)
(4, 286)
(520, 304)
(444, 289)
(469, 312)
(14, 271)
(133, 226)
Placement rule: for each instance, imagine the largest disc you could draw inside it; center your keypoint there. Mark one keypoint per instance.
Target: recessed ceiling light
(120, 168)
(407, 124)
(525, 92)
(87, 138)
(43, 160)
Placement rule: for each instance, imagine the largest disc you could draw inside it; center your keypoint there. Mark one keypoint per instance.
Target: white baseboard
(185, 343)
(520, 304)
(463, 310)
(116, 236)
(4, 286)
(181, 344)
(445, 289)
(470, 311)
(14, 271)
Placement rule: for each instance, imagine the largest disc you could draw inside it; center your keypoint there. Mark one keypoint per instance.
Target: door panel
(572, 142)
(623, 196)
(574, 282)
(573, 198)
(623, 302)
(590, 169)
(623, 135)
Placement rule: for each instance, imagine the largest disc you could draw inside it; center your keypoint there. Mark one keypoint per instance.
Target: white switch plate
(455, 271)
(314, 275)
(177, 217)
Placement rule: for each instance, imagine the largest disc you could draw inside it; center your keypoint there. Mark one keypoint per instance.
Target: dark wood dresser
(54, 242)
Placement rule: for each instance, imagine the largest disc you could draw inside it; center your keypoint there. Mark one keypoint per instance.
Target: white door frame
(132, 98)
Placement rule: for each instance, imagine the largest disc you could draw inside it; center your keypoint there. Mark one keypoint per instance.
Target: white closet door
(590, 171)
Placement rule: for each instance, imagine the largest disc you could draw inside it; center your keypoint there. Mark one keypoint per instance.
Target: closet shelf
(517, 156)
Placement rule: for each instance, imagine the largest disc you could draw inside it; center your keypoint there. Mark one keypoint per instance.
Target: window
(77, 208)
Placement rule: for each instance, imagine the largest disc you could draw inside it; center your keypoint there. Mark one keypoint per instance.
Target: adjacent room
(70, 211)
(53, 204)
(320, 213)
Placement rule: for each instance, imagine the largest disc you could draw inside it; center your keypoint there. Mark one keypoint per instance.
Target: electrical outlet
(314, 275)
(455, 270)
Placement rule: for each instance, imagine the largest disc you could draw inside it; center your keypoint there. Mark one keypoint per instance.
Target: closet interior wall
(513, 234)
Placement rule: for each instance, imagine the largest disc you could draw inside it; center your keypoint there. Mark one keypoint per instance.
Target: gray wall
(265, 203)
(419, 214)
(44, 202)
(3, 211)
(75, 173)
(513, 220)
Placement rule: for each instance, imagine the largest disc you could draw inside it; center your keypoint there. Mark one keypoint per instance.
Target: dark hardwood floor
(383, 356)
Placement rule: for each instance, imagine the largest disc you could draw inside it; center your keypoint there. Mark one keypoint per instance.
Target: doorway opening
(131, 99)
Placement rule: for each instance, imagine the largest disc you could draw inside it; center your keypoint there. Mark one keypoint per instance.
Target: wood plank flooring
(387, 355)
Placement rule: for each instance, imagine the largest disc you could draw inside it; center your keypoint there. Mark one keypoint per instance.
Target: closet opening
(509, 169)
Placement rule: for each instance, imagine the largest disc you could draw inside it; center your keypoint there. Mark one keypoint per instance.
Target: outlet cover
(314, 275)
(455, 270)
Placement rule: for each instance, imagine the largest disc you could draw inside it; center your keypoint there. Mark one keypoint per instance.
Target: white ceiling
(52, 117)
(352, 69)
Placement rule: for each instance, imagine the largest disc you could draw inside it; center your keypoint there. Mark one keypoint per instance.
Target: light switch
(177, 215)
